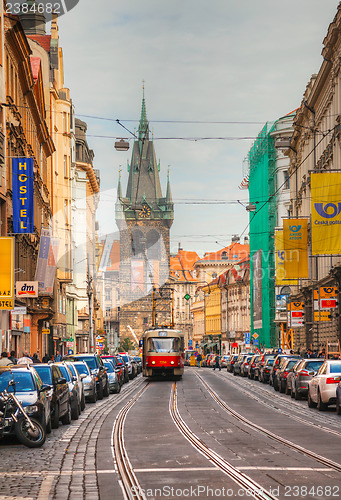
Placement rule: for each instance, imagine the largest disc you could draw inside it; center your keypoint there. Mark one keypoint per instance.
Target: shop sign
(22, 184)
(7, 272)
(26, 289)
(19, 310)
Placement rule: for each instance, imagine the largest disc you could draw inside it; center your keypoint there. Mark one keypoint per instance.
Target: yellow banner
(326, 292)
(326, 213)
(6, 272)
(295, 243)
(279, 260)
(322, 316)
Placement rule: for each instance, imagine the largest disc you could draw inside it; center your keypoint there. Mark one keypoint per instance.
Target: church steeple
(168, 192)
(143, 125)
(119, 188)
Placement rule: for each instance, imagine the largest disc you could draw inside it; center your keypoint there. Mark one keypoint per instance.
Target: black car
(230, 362)
(252, 366)
(238, 363)
(261, 362)
(119, 367)
(30, 390)
(283, 371)
(304, 373)
(96, 365)
(278, 360)
(123, 364)
(59, 393)
(264, 374)
(75, 401)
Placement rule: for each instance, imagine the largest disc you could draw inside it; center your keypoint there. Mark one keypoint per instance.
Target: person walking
(217, 363)
(4, 360)
(46, 358)
(199, 360)
(25, 359)
(57, 357)
(35, 358)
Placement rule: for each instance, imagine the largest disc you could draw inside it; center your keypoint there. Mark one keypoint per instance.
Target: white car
(322, 387)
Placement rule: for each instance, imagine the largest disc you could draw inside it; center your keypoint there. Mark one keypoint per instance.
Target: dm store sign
(22, 176)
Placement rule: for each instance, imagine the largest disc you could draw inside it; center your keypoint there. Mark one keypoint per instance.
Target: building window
(286, 180)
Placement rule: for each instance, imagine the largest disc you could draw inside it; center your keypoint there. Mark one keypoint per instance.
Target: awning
(212, 344)
(202, 344)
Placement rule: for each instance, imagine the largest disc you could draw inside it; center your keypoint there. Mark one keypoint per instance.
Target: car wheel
(55, 417)
(118, 389)
(321, 406)
(234, 373)
(106, 390)
(338, 407)
(287, 390)
(100, 394)
(49, 426)
(83, 402)
(311, 403)
(66, 419)
(281, 388)
(93, 398)
(275, 385)
(297, 395)
(75, 412)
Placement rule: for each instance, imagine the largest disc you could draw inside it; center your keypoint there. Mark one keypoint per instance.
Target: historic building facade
(144, 218)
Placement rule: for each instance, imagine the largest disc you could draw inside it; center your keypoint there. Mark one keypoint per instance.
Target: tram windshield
(169, 344)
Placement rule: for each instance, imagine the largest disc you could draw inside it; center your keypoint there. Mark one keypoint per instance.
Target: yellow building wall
(212, 310)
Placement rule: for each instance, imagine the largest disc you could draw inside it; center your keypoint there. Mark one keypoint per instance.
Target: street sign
(26, 289)
(256, 342)
(19, 310)
(255, 335)
(247, 337)
(70, 351)
(45, 331)
(187, 296)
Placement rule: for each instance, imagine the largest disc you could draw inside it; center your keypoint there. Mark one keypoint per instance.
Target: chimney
(246, 240)
(179, 247)
(235, 238)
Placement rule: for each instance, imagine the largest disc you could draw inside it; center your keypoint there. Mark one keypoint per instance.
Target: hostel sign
(6, 272)
(22, 181)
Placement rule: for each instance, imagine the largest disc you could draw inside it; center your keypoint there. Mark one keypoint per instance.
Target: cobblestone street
(56, 471)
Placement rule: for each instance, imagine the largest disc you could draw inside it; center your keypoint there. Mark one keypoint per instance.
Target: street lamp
(122, 145)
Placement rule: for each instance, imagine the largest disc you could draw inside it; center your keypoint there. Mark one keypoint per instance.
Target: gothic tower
(144, 218)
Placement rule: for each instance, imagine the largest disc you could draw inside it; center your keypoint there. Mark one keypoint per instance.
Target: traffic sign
(247, 337)
(187, 296)
(255, 335)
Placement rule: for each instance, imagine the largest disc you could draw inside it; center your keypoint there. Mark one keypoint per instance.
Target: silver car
(114, 384)
(89, 381)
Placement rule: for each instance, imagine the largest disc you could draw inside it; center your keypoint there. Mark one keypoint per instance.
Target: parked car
(114, 384)
(232, 359)
(73, 390)
(210, 360)
(252, 366)
(338, 399)
(261, 362)
(322, 387)
(96, 366)
(205, 359)
(278, 360)
(124, 366)
(119, 366)
(238, 363)
(78, 380)
(58, 394)
(302, 375)
(126, 359)
(89, 381)
(31, 391)
(291, 376)
(284, 369)
(138, 364)
(244, 367)
(224, 360)
(264, 374)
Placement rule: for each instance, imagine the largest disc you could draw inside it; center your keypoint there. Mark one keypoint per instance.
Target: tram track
(129, 483)
(319, 458)
(279, 410)
(251, 487)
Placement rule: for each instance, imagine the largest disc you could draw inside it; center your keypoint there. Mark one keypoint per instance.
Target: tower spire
(143, 125)
(119, 188)
(168, 192)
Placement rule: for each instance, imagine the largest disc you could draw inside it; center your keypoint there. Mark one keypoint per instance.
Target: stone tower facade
(144, 218)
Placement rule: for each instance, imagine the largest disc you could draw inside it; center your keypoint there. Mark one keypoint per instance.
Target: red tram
(163, 352)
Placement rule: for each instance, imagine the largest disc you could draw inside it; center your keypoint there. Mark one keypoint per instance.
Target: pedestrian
(4, 360)
(199, 359)
(57, 357)
(13, 358)
(322, 353)
(25, 359)
(35, 358)
(217, 363)
(52, 359)
(46, 358)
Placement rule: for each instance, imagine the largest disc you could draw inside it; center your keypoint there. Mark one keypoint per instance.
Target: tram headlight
(172, 362)
(153, 362)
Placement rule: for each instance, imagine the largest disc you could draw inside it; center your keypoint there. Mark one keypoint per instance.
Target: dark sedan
(305, 372)
(264, 374)
(277, 363)
(252, 366)
(238, 363)
(59, 395)
(261, 362)
(230, 362)
(283, 372)
(96, 365)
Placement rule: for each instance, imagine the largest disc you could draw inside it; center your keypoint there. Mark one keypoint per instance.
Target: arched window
(153, 245)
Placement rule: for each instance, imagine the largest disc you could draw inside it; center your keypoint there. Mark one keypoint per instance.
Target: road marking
(45, 488)
(315, 469)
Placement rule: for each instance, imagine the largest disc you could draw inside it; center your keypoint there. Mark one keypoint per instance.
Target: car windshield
(72, 369)
(109, 367)
(269, 362)
(90, 361)
(313, 365)
(126, 359)
(82, 368)
(23, 381)
(290, 364)
(164, 344)
(113, 360)
(44, 373)
(335, 368)
(65, 372)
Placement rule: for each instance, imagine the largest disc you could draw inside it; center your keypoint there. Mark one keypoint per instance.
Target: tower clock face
(146, 212)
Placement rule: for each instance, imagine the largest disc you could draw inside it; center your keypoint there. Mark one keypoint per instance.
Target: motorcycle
(14, 420)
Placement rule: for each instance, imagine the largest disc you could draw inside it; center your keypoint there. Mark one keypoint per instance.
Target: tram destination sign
(162, 334)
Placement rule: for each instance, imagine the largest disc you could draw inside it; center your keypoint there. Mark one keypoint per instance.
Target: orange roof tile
(182, 265)
(235, 251)
(43, 40)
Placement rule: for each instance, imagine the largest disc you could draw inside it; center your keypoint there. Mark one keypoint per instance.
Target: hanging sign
(7, 272)
(26, 289)
(326, 213)
(22, 184)
(295, 242)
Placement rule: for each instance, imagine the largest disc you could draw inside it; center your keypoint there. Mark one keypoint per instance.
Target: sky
(245, 61)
